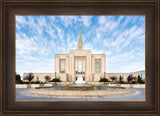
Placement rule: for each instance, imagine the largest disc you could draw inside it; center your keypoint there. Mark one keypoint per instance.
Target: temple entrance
(80, 67)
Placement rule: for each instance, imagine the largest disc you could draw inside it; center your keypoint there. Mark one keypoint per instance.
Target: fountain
(80, 79)
(79, 88)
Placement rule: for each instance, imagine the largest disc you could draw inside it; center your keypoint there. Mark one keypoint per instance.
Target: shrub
(55, 80)
(37, 82)
(22, 82)
(125, 82)
(142, 82)
(103, 80)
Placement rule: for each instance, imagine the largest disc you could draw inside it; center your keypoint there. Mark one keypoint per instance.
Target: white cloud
(101, 20)
(20, 19)
(68, 20)
(86, 20)
(39, 38)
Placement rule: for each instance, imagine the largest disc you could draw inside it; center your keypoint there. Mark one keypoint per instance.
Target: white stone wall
(41, 76)
(62, 56)
(124, 75)
(103, 62)
(95, 77)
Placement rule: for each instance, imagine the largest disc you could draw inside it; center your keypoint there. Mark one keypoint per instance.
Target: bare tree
(135, 78)
(129, 78)
(29, 77)
(47, 78)
(113, 78)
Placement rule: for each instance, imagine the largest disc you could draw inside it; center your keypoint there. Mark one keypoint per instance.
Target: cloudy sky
(39, 38)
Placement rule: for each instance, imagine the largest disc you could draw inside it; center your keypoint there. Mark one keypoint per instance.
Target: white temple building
(80, 61)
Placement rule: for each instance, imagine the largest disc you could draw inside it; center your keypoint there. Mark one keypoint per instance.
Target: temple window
(97, 66)
(62, 66)
(80, 66)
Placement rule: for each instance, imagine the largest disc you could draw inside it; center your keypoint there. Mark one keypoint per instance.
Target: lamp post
(55, 75)
(55, 78)
(67, 76)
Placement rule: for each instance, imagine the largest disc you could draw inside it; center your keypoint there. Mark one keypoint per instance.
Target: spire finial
(80, 44)
(79, 29)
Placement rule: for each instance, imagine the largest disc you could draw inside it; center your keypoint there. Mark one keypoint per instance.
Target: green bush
(37, 82)
(55, 80)
(103, 80)
(121, 82)
(142, 82)
(23, 82)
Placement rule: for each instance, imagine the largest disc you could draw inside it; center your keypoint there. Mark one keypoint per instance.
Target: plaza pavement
(23, 95)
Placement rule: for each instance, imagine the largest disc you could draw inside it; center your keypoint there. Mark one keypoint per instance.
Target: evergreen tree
(18, 78)
(139, 79)
(120, 79)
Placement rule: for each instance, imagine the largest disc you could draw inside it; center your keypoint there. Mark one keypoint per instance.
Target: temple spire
(80, 44)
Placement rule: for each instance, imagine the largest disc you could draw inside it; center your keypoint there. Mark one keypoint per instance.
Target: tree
(18, 78)
(129, 78)
(47, 78)
(29, 77)
(120, 79)
(113, 78)
(139, 79)
(135, 78)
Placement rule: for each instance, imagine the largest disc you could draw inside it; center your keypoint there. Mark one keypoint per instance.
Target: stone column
(88, 66)
(93, 64)
(56, 64)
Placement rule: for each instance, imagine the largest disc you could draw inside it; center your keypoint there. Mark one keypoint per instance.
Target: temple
(80, 61)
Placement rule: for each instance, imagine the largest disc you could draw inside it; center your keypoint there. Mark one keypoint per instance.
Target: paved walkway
(23, 95)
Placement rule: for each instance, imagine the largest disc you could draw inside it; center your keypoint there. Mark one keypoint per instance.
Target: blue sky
(39, 38)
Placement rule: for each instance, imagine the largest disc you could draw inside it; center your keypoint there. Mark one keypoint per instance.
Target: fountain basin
(79, 90)
(89, 93)
(80, 86)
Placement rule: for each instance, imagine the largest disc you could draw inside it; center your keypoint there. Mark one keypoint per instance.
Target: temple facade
(80, 61)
